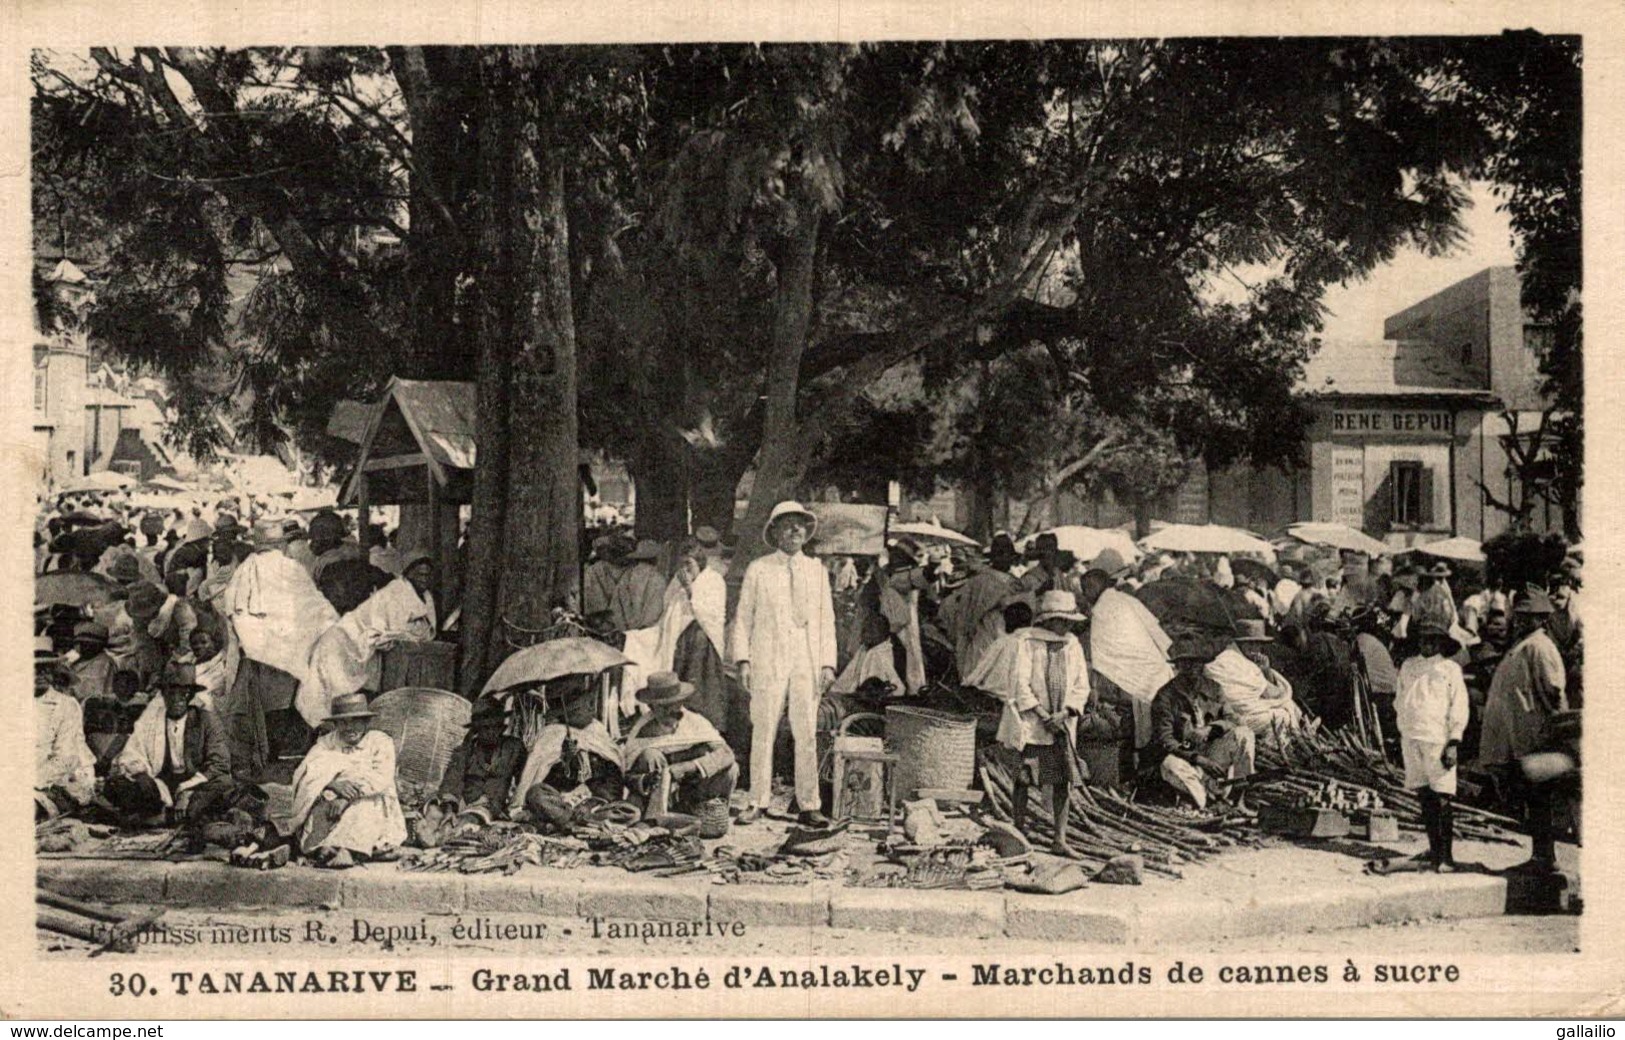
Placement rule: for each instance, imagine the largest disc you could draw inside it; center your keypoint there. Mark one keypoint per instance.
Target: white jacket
(768, 624)
(1431, 705)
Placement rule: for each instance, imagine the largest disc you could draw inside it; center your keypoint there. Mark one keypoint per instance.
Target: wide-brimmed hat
(124, 569)
(146, 600)
(415, 557)
(1440, 630)
(1188, 648)
(349, 706)
(152, 523)
(198, 529)
(789, 508)
(1438, 570)
(268, 534)
(647, 549)
(707, 536)
(179, 674)
(45, 651)
(665, 688)
(1534, 601)
(1041, 542)
(1002, 548)
(1111, 561)
(90, 630)
(1057, 603)
(1251, 630)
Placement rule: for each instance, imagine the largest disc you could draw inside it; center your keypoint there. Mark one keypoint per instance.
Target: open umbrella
(1088, 542)
(1182, 603)
(935, 532)
(1263, 573)
(1337, 536)
(572, 655)
(1207, 538)
(72, 589)
(1463, 550)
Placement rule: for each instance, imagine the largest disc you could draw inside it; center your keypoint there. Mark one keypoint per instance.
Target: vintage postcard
(821, 509)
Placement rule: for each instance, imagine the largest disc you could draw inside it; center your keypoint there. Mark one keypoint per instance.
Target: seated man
(1190, 743)
(1253, 692)
(479, 778)
(345, 807)
(675, 759)
(176, 761)
(91, 664)
(64, 767)
(571, 759)
(110, 720)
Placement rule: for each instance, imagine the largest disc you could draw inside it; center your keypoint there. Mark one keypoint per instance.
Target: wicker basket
(934, 749)
(713, 815)
(426, 725)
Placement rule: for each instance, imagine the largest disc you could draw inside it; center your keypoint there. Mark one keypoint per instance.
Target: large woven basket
(934, 749)
(426, 725)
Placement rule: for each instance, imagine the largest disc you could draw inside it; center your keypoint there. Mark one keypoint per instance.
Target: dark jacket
(1182, 713)
(475, 772)
(204, 748)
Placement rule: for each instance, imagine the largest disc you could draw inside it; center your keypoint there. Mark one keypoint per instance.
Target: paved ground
(575, 937)
(1283, 895)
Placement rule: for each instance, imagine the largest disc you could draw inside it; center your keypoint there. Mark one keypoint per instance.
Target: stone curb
(1085, 917)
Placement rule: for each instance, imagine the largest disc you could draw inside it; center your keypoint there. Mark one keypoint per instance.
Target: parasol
(162, 483)
(1260, 572)
(72, 589)
(572, 655)
(932, 531)
(1337, 536)
(1207, 538)
(1086, 543)
(1182, 603)
(1462, 550)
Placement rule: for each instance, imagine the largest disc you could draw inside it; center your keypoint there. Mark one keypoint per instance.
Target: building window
(1413, 493)
(1537, 339)
(1467, 352)
(41, 388)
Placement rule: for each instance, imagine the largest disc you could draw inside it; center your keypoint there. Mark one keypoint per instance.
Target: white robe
(371, 821)
(1012, 672)
(345, 657)
(548, 748)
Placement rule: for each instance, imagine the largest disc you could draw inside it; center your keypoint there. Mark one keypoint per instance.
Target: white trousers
(795, 689)
(1232, 750)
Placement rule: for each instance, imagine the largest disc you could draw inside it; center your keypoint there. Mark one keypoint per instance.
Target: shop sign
(1392, 422)
(1348, 487)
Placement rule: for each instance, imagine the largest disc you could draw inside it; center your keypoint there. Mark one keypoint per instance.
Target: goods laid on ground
(1103, 825)
(1300, 765)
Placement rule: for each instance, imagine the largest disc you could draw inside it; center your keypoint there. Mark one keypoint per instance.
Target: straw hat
(1057, 603)
(45, 651)
(177, 674)
(1439, 570)
(1186, 648)
(146, 600)
(349, 706)
(665, 688)
(90, 630)
(1251, 630)
(124, 569)
(647, 549)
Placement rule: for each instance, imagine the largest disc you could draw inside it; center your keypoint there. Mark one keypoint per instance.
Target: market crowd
(226, 647)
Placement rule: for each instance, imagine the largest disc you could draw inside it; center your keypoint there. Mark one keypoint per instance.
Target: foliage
(1520, 558)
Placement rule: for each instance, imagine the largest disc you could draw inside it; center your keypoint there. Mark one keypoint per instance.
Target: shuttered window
(1412, 484)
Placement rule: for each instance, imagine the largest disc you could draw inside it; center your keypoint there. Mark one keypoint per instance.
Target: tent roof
(439, 418)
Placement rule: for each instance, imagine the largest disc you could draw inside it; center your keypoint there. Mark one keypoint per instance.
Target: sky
(1356, 310)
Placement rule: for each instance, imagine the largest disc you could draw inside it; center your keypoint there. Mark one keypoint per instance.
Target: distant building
(1407, 433)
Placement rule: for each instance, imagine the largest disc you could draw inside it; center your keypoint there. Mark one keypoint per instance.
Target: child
(1042, 677)
(1432, 709)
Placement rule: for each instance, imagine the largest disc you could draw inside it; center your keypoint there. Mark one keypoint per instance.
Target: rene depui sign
(1394, 422)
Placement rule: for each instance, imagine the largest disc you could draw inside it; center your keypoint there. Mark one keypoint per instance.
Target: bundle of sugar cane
(1093, 833)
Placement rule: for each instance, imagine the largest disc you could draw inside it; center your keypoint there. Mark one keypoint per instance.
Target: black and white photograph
(888, 525)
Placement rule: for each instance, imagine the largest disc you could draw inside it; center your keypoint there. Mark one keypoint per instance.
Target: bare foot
(1061, 848)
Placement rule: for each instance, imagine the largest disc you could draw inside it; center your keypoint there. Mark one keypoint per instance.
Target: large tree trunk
(782, 462)
(658, 470)
(526, 503)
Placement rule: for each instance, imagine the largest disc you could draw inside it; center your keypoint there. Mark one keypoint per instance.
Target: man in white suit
(784, 645)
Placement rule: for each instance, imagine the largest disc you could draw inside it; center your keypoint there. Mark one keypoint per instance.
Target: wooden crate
(1303, 823)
